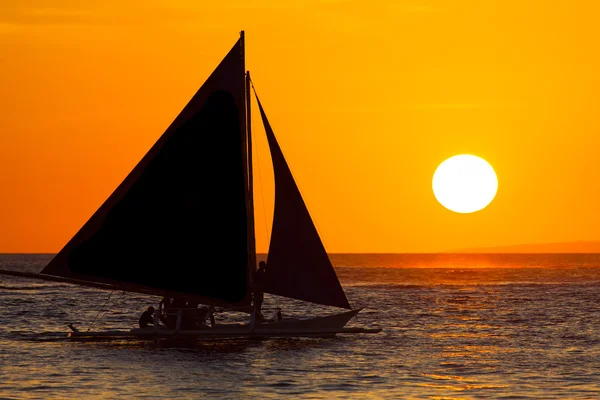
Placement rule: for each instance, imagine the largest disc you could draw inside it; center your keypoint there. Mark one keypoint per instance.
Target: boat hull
(326, 326)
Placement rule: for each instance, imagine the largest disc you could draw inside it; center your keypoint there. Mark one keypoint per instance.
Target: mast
(247, 159)
(251, 232)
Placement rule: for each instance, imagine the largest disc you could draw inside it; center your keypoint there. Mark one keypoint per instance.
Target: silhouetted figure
(202, 314)
(165, 302)
(259, 287)
(165, 312)
(147, 318)
(179, 302)
(178, 305)
(190, 314)
(211, 317)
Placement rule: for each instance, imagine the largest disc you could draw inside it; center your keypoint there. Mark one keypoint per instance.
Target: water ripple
(460, 332)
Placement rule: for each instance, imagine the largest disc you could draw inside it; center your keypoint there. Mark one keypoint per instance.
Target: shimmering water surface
(454, 326)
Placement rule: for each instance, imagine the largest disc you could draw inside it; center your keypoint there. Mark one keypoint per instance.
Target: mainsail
(178, 222)
(181, 223)
(298, 266)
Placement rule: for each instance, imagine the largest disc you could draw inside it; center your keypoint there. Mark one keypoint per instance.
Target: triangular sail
(177, 224)
(297, 266)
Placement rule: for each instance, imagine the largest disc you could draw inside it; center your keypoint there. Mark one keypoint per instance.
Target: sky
(366, 100)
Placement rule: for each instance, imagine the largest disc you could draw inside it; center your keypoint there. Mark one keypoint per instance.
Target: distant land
(564, 247)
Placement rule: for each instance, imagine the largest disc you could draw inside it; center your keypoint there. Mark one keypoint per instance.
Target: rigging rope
(99, 311)
(262, 196)
(96, 320)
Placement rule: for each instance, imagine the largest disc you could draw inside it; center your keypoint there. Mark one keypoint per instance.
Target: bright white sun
(465, 183)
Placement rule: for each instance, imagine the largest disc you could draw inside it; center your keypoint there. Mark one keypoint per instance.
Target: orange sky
(366, 99)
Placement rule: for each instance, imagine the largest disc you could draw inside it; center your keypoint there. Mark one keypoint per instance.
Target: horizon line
(456, 252)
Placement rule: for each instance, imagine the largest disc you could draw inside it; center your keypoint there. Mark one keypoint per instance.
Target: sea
(454, 326)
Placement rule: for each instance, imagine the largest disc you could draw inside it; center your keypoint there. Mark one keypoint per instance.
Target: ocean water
(454, 327)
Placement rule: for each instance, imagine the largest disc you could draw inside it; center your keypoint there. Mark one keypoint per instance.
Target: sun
(465, 183)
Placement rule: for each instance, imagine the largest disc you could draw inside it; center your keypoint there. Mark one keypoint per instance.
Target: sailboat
(181, 225)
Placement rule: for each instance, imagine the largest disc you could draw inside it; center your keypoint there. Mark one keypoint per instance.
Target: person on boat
(259, 288)
(190, 314)
(202, 315)
(165, 303)
(172, 310)
(147, 318)
(179, 302)
(165, 312)
(211, 317)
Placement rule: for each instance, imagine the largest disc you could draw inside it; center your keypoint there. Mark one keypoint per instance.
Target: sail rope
(99, 311)
(262, 196)
(98, 318)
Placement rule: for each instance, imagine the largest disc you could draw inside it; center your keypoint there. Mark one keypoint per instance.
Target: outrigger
(322, 327)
